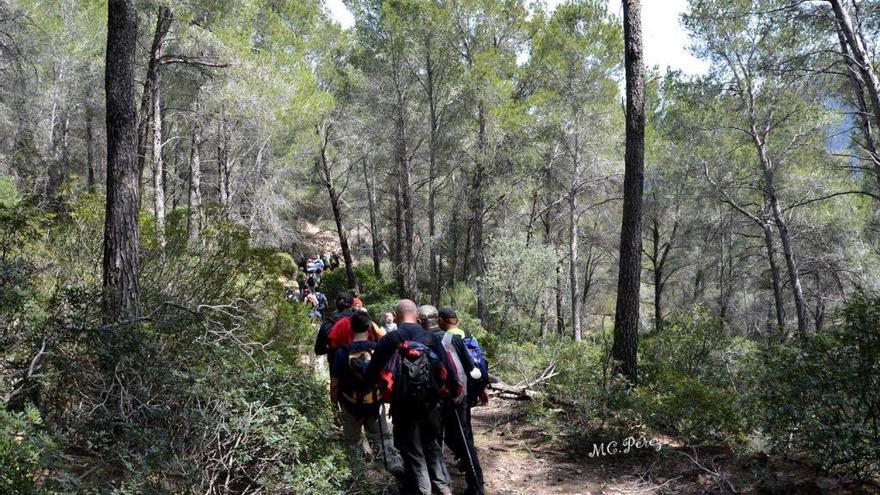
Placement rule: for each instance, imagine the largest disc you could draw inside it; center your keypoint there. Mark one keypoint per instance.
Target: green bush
(822, 395)
(692, 379)
(209, 386)
(25, 449)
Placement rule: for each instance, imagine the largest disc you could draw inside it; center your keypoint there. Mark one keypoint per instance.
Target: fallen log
(519, 392)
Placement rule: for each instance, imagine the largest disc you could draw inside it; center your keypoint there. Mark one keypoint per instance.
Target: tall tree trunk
(573, 245)
(433, 143)
(120, 270)
(858, 87)
(324, 168)
(91, 166)
(158, 164)
(860, 57)
(479, 209)
(455, 234)
(370, 182)
(163, 24)
(194, 215)
(774, 277)
(404, 171)
(768, 169)
(223, 166)
(626, 317)
(658, 274)
(399, 275)
(560, 318)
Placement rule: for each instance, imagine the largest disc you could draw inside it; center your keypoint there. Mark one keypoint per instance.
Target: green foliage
(516, 278)
(212, 374)
(8, 192)
(691, 377)
(25, 449)
(822, 395)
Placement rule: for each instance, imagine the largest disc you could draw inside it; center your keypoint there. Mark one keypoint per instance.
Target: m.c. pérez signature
(624, 447)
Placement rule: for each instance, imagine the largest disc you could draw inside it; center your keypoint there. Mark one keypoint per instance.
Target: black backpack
(359, 395)
(419, 380)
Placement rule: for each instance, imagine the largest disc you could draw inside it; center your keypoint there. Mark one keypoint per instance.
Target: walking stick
(467, 449)
(382, 434)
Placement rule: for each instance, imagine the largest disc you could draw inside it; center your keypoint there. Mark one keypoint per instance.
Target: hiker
(318, 302)
(334, 261)
(457, 433)
(420, 380)
(342, 332)
(359, 400)
(344, 301)
(389, 325)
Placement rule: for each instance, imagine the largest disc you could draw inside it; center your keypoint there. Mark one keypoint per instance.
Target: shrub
(692, 376)
(822, 395)
(25, 450)
(208, 387)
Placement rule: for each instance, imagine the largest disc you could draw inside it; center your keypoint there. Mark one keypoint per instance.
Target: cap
(448, 314)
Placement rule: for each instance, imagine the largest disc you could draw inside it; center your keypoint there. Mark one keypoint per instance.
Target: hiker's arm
(321, 340)
(335, 374)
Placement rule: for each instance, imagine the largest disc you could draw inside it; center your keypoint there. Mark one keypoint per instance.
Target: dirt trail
(519, 459)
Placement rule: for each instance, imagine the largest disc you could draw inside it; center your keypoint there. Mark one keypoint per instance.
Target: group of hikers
(429, 370)
(306, 287)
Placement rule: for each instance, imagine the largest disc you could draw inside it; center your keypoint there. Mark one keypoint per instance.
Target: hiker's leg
(381, 442)
(473, 470)
(451, 434)
(431, 434)
(351, 431)
(408, 442)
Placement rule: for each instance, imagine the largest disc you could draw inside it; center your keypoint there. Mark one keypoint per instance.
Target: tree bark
(194, 215)
(158, 164)
(774, 274)
(223, 166)
(399, 276)
(120, 267)
(573, 246)
(434, 141)
(479, 208)
(860, 57)
(455, 234)
(91, 166)
(325, 169)
(404, 171)
(626, 318)
(858, 87)
(163, 25)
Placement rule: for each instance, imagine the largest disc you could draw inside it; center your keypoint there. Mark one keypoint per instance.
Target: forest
(683, 264)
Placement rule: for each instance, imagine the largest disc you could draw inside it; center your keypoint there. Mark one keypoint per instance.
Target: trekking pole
(382, 434)
(467, 449)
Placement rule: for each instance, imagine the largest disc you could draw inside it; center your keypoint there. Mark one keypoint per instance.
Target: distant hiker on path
(344, 301)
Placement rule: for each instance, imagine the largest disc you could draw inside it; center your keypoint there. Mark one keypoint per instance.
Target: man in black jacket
(417, 436)
(344, 302)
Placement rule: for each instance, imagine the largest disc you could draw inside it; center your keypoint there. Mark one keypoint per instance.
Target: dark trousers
(419, 442)
(459, 437)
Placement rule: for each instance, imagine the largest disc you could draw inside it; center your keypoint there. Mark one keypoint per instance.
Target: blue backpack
(475, 388)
